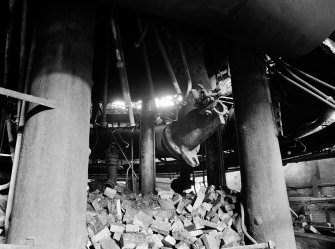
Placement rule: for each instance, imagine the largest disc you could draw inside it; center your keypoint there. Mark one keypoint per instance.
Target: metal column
(214, 161)
(50, 196)
(112, 156)
(147, 147)
(263, 184)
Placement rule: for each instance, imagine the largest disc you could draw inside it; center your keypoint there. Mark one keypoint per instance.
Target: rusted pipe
(147, 147)
(19, 135)
(146, 61)
(10, 136)
(22, 65)
(279, 26)
(9, 40)
(187, 70)
(8, 45)
(121, 65)
(138, 43)
(166, 61)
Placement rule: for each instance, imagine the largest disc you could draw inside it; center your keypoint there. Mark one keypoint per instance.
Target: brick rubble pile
(119, 218)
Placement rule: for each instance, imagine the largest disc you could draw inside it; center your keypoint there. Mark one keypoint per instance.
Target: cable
(166, 61)
(204, 151)
(244, 229)
(305, 83)
(321, 82)
(124, 141)
(187, 70)
(124, 155)
(325, 101)
(132, 156)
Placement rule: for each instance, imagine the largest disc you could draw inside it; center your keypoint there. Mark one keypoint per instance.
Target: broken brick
(161, 227)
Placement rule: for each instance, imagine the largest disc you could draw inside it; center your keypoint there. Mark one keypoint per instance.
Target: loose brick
(209, 242)
(117, 236)
(116, 228)
(180, 207)
(166, 204)
(207, 206)
(96, 205)
(176, 199)
(109, 192)
(210, 224)
(169, 241)
(131, 228)
(230, 236)
(198, 222)
(142, 219)
(177, 225)
(118, 209)
(108, 243)
(155, 241)
(221, 226)
(200, 198)
(129, 215)
(189, 208)
(161, 227)
(101, 235)
(196, 233)
(131, 240)
(182, 245)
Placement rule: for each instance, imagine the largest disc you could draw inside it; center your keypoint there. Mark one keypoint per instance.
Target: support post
(147, 147)
(50, 194)
(112, 156)
(214, 161)
(263, 184)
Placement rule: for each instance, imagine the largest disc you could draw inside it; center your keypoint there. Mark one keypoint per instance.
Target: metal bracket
(29, 98)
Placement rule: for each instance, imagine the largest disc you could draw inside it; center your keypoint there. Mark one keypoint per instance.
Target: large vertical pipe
(50, 195)
(263, 184)
(147, 147)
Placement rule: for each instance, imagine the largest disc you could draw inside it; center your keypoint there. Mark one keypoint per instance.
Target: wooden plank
(28, 98)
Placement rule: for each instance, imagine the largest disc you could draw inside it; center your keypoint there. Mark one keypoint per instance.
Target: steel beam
(50, 194)
(263, 184)
(147, 148)
(26, 97)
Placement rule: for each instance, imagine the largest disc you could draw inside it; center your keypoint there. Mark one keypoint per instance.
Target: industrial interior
(167, 124)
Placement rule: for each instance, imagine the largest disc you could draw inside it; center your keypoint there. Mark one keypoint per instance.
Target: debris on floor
(314, 215)
(119, 218)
